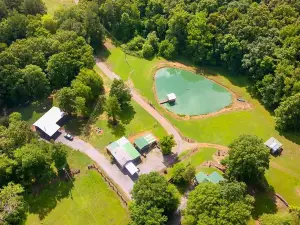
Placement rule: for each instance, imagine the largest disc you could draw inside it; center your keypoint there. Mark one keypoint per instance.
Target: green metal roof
(145, 141)
(132, 152)
(215, 177)
(201, 177)
(125, 145)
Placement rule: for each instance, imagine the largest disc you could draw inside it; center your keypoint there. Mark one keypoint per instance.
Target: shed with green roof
(145, 142)
(123, 151)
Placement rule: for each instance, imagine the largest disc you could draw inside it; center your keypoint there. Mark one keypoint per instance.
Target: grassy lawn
(133, 120)
(204, 154)
(53, 5)
(224, 128)
(89, 201)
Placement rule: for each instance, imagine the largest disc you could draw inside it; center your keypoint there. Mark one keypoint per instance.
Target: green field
(89, 201)
(204, 154)
(53, 5)
(133, 121)
(224, 128)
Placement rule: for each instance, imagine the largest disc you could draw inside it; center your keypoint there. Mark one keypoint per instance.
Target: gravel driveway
(112, 170)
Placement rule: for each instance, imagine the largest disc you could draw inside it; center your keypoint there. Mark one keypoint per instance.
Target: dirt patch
(220, 155)
(298, 191)
(234, 106)
(108, 44)
(132, 138)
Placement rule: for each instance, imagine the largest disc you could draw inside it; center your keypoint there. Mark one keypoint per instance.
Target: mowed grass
(133, 120)
(89, 201)
(53, 5)
(204, 154)
(224, 128)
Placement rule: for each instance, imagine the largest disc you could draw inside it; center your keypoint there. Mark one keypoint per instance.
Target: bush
(147, 51)
(167, 49)
(166, 144)
(135, 44)
(183, 173)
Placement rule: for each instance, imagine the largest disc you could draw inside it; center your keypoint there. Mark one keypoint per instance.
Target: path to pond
(180, 143)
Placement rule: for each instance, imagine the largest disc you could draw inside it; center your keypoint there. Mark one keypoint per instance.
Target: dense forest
(258, 39)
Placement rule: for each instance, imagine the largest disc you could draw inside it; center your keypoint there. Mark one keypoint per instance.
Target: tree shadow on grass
(293, 137)
(76, 125)
(41, 106)
(102, 53)
(265, 200)
(127, 114)
(117, 130)
(46, 200)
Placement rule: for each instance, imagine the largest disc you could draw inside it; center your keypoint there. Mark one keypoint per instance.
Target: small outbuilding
(171, 97)
(125, 154)
(274, 145)
(47, 124)
(145, 142)
(213, 178)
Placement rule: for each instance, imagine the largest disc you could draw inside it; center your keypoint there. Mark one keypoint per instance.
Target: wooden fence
(123, 196)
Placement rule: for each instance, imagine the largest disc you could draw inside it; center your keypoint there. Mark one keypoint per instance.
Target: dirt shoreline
(234, 106)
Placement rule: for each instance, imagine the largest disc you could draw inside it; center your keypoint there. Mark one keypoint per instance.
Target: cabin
(213, 178)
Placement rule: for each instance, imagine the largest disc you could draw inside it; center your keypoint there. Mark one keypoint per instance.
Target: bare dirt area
(234, 106)
(132, 138)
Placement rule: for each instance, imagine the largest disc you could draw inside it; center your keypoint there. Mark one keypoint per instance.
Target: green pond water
(195, 94)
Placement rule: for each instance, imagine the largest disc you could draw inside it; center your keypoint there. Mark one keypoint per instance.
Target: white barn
(48, 122)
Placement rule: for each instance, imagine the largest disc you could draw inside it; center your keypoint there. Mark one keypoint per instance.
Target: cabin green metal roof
(213, 177)
(201, 177)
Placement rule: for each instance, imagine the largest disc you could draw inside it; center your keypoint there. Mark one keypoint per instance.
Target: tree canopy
(223, 204)
(259, 39)
(153, 194)
(247, 160)
(166, 144)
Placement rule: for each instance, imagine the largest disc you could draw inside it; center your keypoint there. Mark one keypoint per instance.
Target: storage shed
(274, 145)
(145, 142)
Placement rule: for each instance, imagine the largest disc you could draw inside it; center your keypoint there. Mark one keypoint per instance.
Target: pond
(195, 94)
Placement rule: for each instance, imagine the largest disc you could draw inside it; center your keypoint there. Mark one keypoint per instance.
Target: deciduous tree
(121, 92)
(225, 203)
(12, 206)
(166, 144)
(288, 114)
(113, 109)
(248, 159)
(155, 191)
